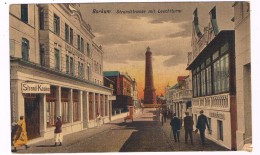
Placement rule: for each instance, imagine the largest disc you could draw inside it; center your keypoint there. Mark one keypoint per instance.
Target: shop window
(24, 13)
(224, 48)
(25, 49)
(220, 129)
(215, 55)
(56, 24)
(90, 106)
(203, 83)
(75, 106)
(65, 105)
(51, 107)
(198, 84)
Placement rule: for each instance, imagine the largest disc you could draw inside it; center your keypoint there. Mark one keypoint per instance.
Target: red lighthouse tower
(149, 91)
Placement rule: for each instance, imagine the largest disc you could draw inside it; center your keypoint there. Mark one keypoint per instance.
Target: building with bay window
(212, 64)
(56, 70)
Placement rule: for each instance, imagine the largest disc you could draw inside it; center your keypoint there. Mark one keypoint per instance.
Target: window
(67, 33)
(65, 105)
(71, 66)
(215, 55)
(224, 48)
(41, 18)
(56, 59)
(82, 45)
(80, 69)
(42, 55)
(56, 24)
(75, 106)
(203, 83)
(78, 42)
(221, 75)
(208, 81)
(24, 13)
(71, 36)
(51, 107)
(50, 113)
(67, 64)
(88, 50)
(198, 84)
(25, 49)
(194, 86)
(220, 130)
(88, 72)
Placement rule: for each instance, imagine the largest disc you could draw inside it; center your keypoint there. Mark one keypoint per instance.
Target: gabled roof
(111, 73)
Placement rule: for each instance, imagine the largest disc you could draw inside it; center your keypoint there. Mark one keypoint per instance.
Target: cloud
(185, 32)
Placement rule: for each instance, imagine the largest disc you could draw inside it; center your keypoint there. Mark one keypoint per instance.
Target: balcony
(182, 95)
(216, 102)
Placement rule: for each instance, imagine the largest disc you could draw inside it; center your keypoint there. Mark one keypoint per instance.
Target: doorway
(32, 115)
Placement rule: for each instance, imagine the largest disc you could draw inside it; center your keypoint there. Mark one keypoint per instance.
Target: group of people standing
(201, 125)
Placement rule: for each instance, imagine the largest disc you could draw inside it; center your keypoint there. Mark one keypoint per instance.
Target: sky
(125, 36)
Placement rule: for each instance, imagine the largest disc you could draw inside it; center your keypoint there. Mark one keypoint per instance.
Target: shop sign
(217, 115)
(36, 88)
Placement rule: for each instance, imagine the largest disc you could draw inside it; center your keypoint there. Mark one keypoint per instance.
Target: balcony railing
(182, 94)
(216, 102)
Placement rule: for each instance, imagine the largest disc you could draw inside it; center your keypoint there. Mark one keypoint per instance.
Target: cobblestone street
(145, 134)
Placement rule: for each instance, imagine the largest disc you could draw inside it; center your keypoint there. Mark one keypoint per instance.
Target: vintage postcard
(130, 77)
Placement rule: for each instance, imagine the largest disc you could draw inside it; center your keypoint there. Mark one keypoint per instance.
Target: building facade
(243, 74)
(124, 90)
(179, 96)
(212, 65)
(56, 69)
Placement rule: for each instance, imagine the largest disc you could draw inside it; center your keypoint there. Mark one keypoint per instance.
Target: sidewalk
(37, 144)
(181, 146)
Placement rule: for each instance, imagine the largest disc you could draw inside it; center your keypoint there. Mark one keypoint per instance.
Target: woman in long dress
(20, 137)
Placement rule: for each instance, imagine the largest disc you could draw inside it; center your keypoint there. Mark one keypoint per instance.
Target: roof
(111, 73)
(181, 78)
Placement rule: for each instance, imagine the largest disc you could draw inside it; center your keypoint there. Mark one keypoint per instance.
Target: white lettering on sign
(35, 88)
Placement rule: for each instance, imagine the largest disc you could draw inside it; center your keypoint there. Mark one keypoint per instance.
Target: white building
(212, 64)
(243, 74)
(56, 69)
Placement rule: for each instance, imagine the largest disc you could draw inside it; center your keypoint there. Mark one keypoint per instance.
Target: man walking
(176, 125)
(201, 126)
(188, 127)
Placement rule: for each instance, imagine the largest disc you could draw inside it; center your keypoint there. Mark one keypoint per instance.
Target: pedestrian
(164, 115)
(20, 137)
(176, 126)
(188, 127)
(201, 126)
(98, 120)
(58, 131)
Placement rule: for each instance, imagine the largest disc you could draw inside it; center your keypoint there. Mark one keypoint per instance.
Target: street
(145, 134)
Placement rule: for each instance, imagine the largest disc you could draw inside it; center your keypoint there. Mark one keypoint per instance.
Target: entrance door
(32, 116)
